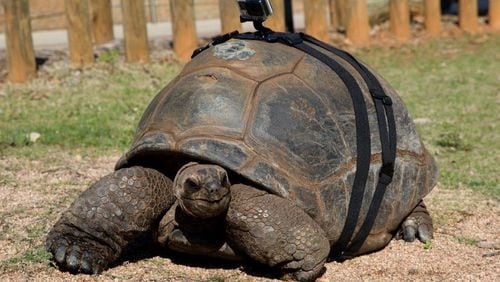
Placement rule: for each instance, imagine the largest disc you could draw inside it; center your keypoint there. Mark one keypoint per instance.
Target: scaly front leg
(276, 232)
(117, 209)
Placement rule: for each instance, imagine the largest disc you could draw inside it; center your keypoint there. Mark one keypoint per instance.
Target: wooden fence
(89, 22)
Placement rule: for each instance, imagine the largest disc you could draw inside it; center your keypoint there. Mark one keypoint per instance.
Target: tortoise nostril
(213, 187)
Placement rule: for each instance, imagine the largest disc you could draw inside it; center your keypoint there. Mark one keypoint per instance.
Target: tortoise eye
(190, 184)
(225, 180)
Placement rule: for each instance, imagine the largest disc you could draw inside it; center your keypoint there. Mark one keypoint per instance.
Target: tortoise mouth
(205, 208)
(206, 200)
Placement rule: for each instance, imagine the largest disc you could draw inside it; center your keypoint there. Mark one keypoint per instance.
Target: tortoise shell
(284, 121)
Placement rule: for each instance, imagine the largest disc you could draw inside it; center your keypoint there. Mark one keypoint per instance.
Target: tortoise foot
(303, 275)
(417, 225)
(78, 254)
(116, 210)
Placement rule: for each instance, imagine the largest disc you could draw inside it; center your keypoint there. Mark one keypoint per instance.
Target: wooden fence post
(20, 53)
(467, 15)
(357, 25)
(316, 19)
(135, 32)
(276, 22)
(334, 15)
(79, 33)
(494, 14)
(341, 12)
(229, 16)
(184, 28)
(399, 14)
(433, 17)
(101, 18)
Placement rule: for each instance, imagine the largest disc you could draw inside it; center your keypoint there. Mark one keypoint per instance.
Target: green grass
(466, 240)
(97, 107)
(453, 83)
(428, 245)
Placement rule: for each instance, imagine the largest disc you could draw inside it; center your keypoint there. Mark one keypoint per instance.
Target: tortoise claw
(70, 257)
(417, 225)
(409, 230)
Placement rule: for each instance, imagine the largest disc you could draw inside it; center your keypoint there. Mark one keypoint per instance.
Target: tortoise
(249, 152)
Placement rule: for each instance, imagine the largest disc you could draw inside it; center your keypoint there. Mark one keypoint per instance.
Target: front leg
(117, 209)
(276, 232)
(208, 241)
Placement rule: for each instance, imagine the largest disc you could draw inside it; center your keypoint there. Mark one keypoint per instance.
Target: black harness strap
(363, 146)
(385, 115)
(386, 125)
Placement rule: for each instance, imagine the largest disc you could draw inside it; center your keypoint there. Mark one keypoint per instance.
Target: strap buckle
(377, 94)
(386, 173)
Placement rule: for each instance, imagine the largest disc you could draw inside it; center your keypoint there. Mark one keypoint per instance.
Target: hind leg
(417, 225)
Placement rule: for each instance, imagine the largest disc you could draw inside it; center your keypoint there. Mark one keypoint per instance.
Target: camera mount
(256, 11)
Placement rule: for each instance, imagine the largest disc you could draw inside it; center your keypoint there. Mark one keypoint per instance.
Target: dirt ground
(34, 192)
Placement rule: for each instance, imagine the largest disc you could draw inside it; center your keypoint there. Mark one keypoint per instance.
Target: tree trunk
(399, 15)
(79, 33)
(357, 26)
(316, 19)
(467, 15)
(134, 31)
(184, 28)
(20, 53)
(102, 21)
(229, 16)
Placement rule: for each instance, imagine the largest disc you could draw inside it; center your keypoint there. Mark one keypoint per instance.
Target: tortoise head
(202, 190)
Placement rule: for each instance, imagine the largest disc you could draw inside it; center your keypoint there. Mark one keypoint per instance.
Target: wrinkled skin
(210, 218)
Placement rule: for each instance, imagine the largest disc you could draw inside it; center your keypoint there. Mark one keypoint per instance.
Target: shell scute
(295, 124)
(206, 100)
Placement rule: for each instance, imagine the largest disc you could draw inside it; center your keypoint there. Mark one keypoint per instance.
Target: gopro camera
(255, 10)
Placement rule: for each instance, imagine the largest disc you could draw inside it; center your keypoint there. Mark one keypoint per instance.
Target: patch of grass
(95, 107)
(38, 255)
(466, 240)
(32, 256)
(428, 245)
(453, 141)
(110, 56)
(454, 83)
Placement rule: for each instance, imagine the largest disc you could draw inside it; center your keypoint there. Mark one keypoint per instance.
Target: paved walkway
(58, 39)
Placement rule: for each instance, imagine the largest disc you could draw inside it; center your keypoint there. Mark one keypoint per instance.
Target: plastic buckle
(386, 173)
(291, 38)
(380, 95)
(387, 101)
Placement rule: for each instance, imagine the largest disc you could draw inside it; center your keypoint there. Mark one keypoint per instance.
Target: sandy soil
(34, 192)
